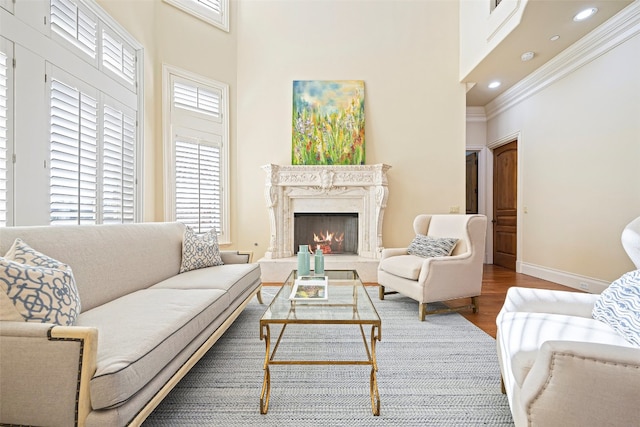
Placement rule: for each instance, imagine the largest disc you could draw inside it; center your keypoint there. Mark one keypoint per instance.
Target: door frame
(483, 155)
(488, 189)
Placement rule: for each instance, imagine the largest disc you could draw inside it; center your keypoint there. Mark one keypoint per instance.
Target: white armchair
(439, 278)
(562, 367)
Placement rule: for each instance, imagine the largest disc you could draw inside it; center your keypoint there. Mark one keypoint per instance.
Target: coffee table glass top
(348, 302)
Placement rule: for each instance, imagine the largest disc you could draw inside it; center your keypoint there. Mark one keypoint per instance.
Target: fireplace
(356, 192)
(334, 233)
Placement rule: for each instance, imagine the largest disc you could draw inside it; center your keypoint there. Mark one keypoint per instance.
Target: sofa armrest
(582, 383)
(45, 372)
(548, 301)
(236, 257)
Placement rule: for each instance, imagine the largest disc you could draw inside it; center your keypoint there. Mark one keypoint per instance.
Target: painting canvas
(328, 122)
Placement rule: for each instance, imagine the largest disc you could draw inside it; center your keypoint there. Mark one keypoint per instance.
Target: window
(77, 74)
(197, 169)
(118, 166)
(76, 25)
(211, 11)
(196, 139)
(74, 156)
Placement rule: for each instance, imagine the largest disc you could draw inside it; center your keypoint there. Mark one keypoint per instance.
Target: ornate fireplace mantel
(298, 189)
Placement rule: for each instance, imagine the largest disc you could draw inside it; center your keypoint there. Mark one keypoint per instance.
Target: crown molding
(476, 114)
(607, 36)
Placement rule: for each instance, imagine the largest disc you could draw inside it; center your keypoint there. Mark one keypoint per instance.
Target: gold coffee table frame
(348, 303)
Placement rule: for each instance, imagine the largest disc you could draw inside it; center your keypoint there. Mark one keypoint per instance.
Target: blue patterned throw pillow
(619, 306)
(41, 288)
(427, 246)
(199, 250)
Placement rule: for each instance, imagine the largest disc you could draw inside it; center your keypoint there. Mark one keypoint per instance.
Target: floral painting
(328, 122)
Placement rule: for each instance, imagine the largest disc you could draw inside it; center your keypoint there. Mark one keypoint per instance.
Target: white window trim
(7, 49)
(193, 8)
(169, 158)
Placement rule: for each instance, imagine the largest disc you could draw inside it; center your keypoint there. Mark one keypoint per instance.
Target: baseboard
(575, 281)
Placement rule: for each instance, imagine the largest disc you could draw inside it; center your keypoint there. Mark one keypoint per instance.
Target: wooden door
(505, 212)
(472, 182)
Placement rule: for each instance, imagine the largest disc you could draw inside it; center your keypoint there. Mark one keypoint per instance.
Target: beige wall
(405, 51)
(579, 148)
(407, 54)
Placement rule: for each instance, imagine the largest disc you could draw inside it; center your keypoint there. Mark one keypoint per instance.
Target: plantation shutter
(4, 130)
(118, 185)
(73, 151)
(74, 25)
(118, 57)
(197, 170)
(197, 99)
(211, 11)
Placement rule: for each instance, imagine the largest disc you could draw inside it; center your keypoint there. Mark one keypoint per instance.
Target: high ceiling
(542, 19)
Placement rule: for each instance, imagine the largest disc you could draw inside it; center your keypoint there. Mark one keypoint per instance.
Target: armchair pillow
(619, 306)
(428, 246)
(200, 251)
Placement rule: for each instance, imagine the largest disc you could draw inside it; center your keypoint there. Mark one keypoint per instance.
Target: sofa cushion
(140, 333)
(39, 293)
(619, 306)
(407, 266)
(199, 251)
(523, 334)
(232, 278)
(428, 246)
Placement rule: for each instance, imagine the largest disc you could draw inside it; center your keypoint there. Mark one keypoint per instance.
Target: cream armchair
(439, 278)
(571, 358)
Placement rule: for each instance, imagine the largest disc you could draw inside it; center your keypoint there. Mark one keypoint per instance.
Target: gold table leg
(373, 381)
(265, 335)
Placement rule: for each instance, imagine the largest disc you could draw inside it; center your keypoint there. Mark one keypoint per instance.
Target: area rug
(440, 372)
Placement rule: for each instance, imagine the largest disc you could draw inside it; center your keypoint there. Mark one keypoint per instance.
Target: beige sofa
(564, 363)
(142, 325)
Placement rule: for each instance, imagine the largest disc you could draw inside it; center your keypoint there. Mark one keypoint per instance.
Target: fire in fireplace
(334, 233)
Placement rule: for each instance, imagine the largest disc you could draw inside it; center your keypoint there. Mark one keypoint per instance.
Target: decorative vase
(318, 262)
(304, 267)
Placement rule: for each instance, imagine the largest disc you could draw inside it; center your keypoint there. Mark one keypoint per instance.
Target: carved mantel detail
(361, 189)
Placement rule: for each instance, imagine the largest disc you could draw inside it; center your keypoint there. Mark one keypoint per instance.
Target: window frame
(171, 127)
(196, 9)
(7, 49)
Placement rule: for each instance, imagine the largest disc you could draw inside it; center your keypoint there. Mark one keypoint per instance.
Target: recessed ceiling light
(581, 16)
(527, 56)
(494, 85)
(554, 38)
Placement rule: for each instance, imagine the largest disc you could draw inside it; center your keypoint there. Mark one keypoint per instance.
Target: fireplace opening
(334, 233)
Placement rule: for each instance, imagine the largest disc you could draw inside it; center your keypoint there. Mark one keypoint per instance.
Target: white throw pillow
(40, 288)
(619, 306)
(199, 251)
(427, 246)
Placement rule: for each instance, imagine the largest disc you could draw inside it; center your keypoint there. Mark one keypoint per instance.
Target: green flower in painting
(328, 122)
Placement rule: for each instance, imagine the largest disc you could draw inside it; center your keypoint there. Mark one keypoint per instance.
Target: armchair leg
(502, 387)
(474, 302)
(381, 292)
(422, 311)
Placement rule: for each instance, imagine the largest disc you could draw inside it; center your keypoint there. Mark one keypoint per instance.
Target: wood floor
(495, 283)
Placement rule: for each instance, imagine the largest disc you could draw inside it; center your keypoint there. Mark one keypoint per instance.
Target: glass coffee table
(348, 303)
